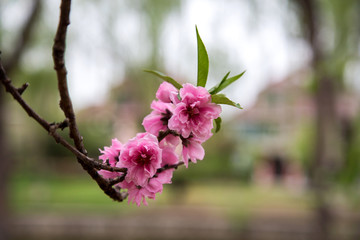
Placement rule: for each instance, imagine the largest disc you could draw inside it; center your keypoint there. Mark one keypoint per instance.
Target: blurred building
(122, 117)
(268, 133)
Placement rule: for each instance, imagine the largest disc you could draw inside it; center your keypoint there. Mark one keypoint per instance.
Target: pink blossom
(158, 119)
(195, 113)
(108, 174)
(165, 176)
(110, 155)
(192, 150)
(138, 194)
(169, 156)
(171, 140)
(156, 183)
(167, 93)
(142, 157)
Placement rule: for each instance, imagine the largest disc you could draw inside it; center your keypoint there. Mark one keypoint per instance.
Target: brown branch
(89, 164)
(22, 89)
(50, 128)
(160, 170)
(163, 134)
(59, 65)
(117, 180)
(66, 103)
(109, 168)
(62, 125)
(175, 166)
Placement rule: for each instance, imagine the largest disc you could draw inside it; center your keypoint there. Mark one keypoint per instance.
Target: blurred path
(154, 223)
(180, 222)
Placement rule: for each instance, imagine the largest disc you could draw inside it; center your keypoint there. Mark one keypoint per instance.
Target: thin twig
(89, 164)
(66, 103)
(160, 170)
(49, 127)
(22, 89)
(59, 65)
(117, 180)
(163, 134)
(175, 166)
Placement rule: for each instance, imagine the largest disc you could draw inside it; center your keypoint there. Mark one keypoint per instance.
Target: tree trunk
(5, 159)
(327, 154)
(328, 149)
(4, 173)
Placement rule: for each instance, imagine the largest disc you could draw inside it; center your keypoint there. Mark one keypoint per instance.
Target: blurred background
(285, 167)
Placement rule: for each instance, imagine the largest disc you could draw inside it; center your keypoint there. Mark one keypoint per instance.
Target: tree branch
(175, 166)
(89, 164)
(50, 128)
(66, 103)
(59, 66)
(163, 134)
(117, 180)
(166, 167)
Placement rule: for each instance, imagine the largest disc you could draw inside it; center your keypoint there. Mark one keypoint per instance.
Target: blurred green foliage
(350, 171)
(218, 162)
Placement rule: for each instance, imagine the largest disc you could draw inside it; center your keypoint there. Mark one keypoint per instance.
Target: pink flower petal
(142, 156)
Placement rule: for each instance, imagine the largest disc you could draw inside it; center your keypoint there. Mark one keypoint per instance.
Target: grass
(60, 195)
(72, 195)
(240, 202)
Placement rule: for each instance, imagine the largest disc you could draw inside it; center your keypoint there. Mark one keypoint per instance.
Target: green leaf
(222, 99)
(217, 124)
(165, 78)
(213, 89)
(225, 82)
(203, 61)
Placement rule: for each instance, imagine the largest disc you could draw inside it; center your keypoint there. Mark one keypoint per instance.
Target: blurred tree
(11, 64)
(329, 29)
